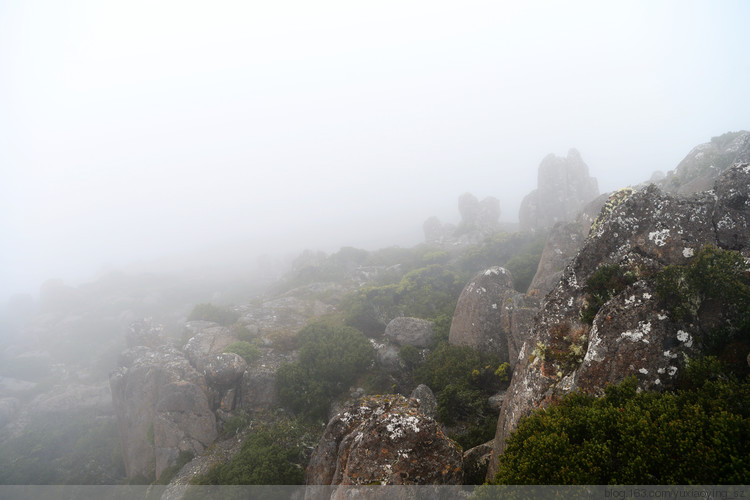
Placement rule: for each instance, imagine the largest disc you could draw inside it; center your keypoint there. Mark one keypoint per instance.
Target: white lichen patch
(398, 425)
(570, 302)
(657, 382)
(726, 222)
(672, 371)
(660, 371)
(669, 354)
(630, 300)
(661, 317)
(659, 237)
(494, 306)
(685, 338)
(639, 333)
(643, 371)
(647, 296)
(688, 252)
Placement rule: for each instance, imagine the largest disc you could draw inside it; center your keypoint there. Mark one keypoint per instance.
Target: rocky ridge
(631, 334)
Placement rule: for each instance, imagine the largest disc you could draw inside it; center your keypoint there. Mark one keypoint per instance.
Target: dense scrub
(712, 292)
(331, 357)
(275, 451)
(463, 379)
(695, 436)
(210, 312)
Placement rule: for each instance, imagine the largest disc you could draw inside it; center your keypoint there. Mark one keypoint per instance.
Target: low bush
(699, 436)
(210, 312)
(248, 351)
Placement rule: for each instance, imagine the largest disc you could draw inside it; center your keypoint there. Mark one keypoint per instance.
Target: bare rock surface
(384, 440)
(410, 331)
(162, 408)
(491, 315)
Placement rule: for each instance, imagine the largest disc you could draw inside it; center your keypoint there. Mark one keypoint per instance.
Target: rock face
(630, 334)
(702, 166)
(384, 440)
(410, 331)
(491, 315)
(426, 399)
(162, 409)
(563, 189)
(564, 241)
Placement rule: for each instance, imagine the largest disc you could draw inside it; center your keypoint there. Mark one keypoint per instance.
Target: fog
(140, 132)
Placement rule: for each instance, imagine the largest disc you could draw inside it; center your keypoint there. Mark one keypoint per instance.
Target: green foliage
(631, 437)
(331, 356)
(451, 364)
(210, 312)
(427, 292)
(410, 356)
(463, 379)
(523, 265)
(242, 332)
(499, 249)
(272, 454)
(235, 424)
(713, 292)
(248, 351)
(606, 282)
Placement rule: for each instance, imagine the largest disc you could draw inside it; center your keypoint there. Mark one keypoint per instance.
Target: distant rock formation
(631, 334)
(478, 220)
(564, 187)
(491, 315)
(384, 440)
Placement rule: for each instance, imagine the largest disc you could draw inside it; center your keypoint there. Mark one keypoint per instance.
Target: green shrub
(210, 312)
(711, 292)
(331, 357)
(273, 454)
(235, 424)
(607, 281)
(631, 437)
(410, 356)
(248, 351)
(523, 265)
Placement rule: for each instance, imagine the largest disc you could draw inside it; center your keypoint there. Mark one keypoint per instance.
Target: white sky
(132, 130)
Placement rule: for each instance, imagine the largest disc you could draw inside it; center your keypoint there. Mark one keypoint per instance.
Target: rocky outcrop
(410, 331)
(564, 241)
(704, 163)
(478, 220)
(162, 409)
(564, 187)
(476, 461)
(384, 440)
(631, 334)
(491, 315)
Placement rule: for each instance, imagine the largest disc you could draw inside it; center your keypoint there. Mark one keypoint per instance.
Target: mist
(140, 134)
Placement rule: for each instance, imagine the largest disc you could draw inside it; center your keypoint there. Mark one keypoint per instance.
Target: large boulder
(162, 408)
(410, 331)
(564, 187)
(631, 334)
(384, 440)
(479, 310)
